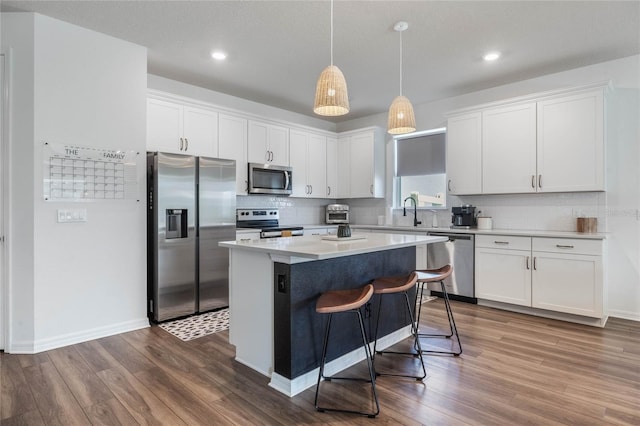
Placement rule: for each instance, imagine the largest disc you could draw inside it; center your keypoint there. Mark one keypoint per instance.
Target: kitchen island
(273, 288)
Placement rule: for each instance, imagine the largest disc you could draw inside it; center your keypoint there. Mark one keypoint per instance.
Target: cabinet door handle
(501, 242)
(371, 189)
(533, 181)
(449, 185)
(181, 144)
(186, 144)
(539, 181)
(564, 246)
(328, 190)
(528, 267)
(270, 155)
(310, 189)
(535, 267)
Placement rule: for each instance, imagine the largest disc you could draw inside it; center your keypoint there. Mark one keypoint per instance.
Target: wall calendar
(76, 173)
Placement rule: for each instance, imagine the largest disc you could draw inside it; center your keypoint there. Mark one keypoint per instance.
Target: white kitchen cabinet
(568, 276)
(509, 149)
(551, 142)
(181, 128)
(344, 167)
(361, 163)
(232, 137)
(308, 159)
(571, 142)
(464, 154)
(503, 269)
(268, 143)
(556, 274)
(332, 168)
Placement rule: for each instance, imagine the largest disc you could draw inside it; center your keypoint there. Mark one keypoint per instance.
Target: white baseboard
(594, 322)
(633, 316)
(49, 343)
(292, 387)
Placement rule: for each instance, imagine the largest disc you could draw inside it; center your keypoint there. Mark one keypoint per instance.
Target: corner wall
(88, 279)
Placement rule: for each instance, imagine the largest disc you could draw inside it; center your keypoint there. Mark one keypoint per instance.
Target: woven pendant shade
(331, 93)
(401, 117)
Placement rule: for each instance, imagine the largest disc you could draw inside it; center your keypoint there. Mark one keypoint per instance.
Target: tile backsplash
(552, 212)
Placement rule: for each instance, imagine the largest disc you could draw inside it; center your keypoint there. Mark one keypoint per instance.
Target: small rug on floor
(198, 325)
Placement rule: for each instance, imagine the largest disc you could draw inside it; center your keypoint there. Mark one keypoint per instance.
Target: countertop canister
(484, 222)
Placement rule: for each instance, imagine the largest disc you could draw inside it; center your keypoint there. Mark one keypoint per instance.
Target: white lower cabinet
(556, 274)
(568, 276)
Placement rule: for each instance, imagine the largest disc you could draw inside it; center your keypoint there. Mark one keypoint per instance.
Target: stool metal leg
(452, 323)
(414, 332)
(372, 377)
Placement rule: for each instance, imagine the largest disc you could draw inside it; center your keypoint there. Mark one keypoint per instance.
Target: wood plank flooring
(515, 369)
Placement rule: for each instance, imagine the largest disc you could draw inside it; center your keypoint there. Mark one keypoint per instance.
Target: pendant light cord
(400, 63)
(331, 32)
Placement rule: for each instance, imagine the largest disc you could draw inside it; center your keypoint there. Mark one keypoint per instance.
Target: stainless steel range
(268, 221)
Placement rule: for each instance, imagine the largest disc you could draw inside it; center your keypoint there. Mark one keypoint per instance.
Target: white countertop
(515, 232)
(314, 247)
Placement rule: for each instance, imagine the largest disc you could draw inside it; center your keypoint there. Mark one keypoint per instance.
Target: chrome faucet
(416, 222)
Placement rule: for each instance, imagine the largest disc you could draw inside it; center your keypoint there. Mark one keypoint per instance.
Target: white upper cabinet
(464, 154)
(332, 168)
(181, 129)
(268, 143)
(308, 157)
(548, 143)
(571, 143)
(509, 149)
(361, 161)
(232, 137)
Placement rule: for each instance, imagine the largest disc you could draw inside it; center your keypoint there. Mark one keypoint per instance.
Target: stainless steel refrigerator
(190, 208)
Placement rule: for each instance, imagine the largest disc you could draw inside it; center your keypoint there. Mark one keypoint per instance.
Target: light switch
(72, 215)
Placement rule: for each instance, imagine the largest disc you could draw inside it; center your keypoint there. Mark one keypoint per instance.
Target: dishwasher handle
(452, 237)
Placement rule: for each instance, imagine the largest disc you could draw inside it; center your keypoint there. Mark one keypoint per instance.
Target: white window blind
(422, 154)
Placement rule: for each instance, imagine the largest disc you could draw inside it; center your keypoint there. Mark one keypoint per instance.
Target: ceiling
(277, 49)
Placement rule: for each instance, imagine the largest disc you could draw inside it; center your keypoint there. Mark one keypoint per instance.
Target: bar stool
(425, 277)
(346, 301)
(398, 285)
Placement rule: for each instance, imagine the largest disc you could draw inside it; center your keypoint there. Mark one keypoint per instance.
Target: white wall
(618, 209)
(73, 282)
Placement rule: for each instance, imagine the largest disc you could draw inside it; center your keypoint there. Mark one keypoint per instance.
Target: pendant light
(331, 90)
(401, 117)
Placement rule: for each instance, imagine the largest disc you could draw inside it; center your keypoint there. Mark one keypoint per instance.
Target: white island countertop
(315, 248)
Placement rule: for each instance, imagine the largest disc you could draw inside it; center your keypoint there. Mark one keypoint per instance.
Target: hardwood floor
(515, 369)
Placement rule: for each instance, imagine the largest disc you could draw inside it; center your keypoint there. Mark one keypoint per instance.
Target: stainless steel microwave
(269, 179)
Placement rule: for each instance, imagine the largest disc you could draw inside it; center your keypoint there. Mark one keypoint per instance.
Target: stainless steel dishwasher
(459, 252)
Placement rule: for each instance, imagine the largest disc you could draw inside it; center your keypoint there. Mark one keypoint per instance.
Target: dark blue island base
(299, 330)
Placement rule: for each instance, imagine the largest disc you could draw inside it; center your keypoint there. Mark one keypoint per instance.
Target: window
(420, 169)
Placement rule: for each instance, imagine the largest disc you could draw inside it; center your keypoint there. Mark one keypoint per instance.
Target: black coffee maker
(463, 216)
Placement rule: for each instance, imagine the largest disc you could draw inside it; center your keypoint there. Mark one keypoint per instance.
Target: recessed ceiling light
(219, 55)
(491, 56)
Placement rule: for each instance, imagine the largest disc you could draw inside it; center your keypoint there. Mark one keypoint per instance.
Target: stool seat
(434, 275)
(399, 284)
(343, 300)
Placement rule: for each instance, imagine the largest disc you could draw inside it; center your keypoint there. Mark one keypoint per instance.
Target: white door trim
(3, 163)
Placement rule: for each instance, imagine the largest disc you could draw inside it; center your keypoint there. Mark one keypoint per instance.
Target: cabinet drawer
(503, 242)
(564, 245)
